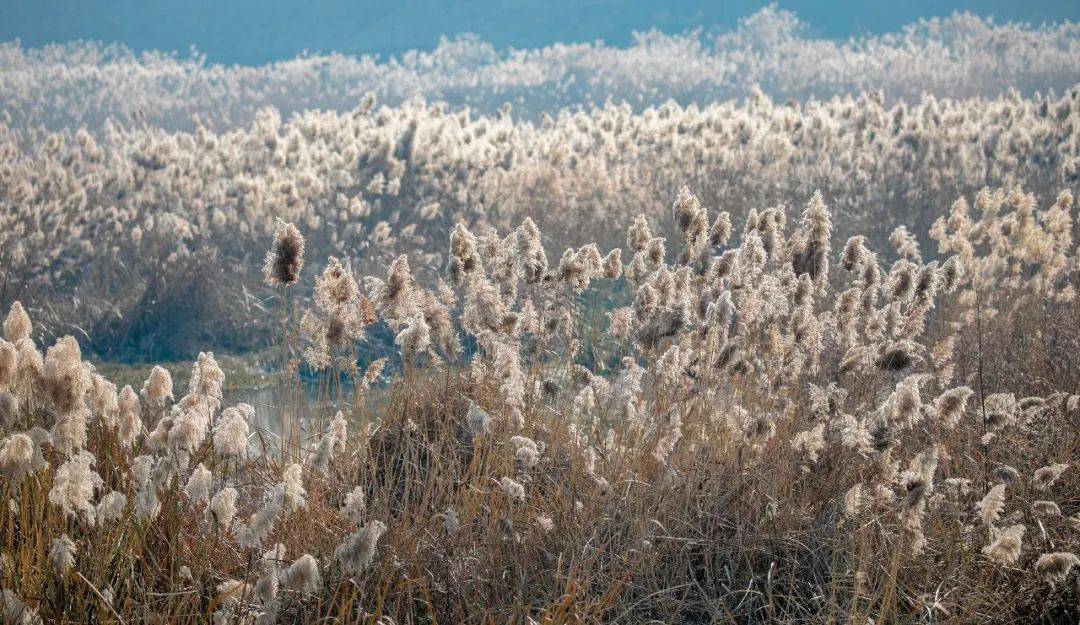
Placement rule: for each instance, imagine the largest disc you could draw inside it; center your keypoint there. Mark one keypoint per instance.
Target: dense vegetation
(143, 240)
(789, 335)
(773, 430)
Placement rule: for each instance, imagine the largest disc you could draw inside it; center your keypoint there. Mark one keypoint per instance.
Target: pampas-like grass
(199, 484)
(17, 324)
(75, 486)
(1045, 508)
(1006, 474)
(158, 387)
(285, 259)
(111, 507)
(130, 420)
(223, 506)
(949, 406)
(62, 555)
(513, 490)
(1005, 548)
(741, 403)
(358, 550)
(854, 501)
(16, 456)
(1055, 567)
(302, 575)
(1045, 477)
(8, 369)
(991, 505)
(478, 421)
(254, 533)
(354, 506)
(231, 433)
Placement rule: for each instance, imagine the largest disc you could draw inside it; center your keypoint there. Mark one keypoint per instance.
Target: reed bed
(142, 240)
(87, 83)
(772, 429)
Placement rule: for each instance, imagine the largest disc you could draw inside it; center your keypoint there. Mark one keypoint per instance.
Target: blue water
(260, 31)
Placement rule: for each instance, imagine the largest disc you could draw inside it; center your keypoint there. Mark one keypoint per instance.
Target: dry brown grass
(673, 512)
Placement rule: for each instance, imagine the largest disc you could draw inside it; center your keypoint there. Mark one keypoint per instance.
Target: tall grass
(117, 235)
(772, 430)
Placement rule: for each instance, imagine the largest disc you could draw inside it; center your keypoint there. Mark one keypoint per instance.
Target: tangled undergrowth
(773, 430)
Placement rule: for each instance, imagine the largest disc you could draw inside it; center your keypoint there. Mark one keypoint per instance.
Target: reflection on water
(271, 403)
(268, 403)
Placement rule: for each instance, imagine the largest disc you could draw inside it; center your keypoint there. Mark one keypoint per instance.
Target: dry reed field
(739, 362)
(772, 430)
